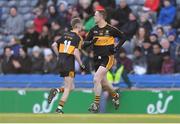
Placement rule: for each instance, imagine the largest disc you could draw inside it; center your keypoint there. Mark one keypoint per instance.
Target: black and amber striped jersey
(66, 47)
(68, 42)
(104, 39)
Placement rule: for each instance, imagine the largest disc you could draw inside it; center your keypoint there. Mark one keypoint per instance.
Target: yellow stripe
(104, 40)
(110, 62)
(69, 51)
(80, 43)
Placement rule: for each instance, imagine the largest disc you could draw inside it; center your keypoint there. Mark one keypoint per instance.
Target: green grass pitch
(88, 118)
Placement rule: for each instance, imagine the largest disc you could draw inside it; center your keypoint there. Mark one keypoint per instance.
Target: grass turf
(88, 118)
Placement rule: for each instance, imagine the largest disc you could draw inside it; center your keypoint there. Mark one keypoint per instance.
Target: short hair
(103, 13)
(75, 21)
(137, 48)
(157, 44)
(7, 47)
(13, 7)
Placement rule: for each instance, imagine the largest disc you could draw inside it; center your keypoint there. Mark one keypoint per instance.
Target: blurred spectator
(84, 5)
(0, 15)
(107, 3)
(121, 15)
(116, 72)
(15, 46)
(174, 42)
(140, 36)
(50, 63)
(139, 61)
(153, 5)
(124, 60)
(25, 61)
(53, 14)
(177, 20)
(74, 13)
(155, 60)
(167, 13)
(42, 4)
(144, 22)
(7, 64)
(131, 27)
(177, 60)
(55, 30)
(165, 45)
(153, 38)
(147, 48)
(89, 21)
(37, 60)
(168, 64)
(44, 37)
(71, 13)
(14, 24)
(39, 20)
(62, 9)
(31, 36)
(160, 33)
(173, 2)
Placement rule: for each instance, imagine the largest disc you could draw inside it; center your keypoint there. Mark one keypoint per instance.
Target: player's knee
(72, 88)
(67, 89)
(96, 80)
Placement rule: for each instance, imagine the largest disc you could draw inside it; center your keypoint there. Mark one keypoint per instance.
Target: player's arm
(88, 40)
(77, 55)
(121, 36)
(55, 48)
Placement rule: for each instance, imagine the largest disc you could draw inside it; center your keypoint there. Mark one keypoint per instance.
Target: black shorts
(67, 74)
(105, 61)
(65, 66)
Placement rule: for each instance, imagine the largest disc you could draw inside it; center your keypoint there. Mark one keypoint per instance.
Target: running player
(102, 37)
(67, 49)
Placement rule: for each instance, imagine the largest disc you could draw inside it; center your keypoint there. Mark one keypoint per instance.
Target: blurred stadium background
(146, 72)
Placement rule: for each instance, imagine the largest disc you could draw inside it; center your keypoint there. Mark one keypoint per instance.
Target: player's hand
(83, 67)
(115, 50)
(57, 58)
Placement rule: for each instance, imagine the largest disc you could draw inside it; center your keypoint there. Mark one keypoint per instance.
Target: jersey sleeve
(79, 41)
(59, 40)
(120, 35)
(89, 36)
(89, 39)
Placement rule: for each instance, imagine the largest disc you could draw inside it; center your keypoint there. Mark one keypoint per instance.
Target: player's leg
(108, 87)
(68, 87)
(97, 88)
(53, 93)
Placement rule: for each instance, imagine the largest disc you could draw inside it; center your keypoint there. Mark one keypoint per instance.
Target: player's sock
(60, 90)
(61, 104)
(97, 99)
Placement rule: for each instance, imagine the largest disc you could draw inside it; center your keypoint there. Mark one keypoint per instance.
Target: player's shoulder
(112, 28)
(94, 28)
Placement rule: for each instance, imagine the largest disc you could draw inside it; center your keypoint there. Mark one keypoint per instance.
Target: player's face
(97, 17)
(80, 26)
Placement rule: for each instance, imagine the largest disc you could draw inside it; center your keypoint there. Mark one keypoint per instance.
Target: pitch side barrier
(85, 81)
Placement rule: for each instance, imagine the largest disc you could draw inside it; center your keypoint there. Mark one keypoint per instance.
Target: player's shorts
(68, 74)
(105, 61)
(65, 66)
